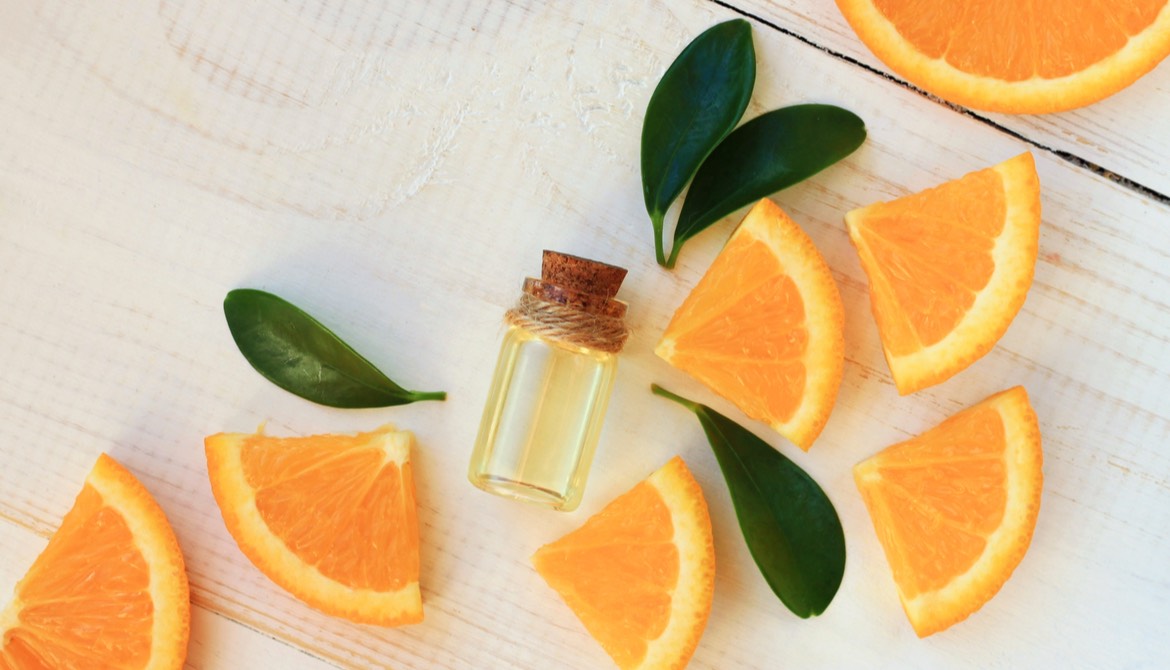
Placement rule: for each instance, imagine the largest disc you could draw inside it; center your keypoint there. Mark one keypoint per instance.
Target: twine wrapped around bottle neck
(573, 302)
(562, 323)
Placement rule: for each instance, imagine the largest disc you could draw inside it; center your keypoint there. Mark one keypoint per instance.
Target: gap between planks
(1065, 156)
(213, 603)
(199, 603)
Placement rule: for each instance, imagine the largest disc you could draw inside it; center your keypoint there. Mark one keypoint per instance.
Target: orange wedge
(954, 508)
(330, 518)
(949, 268)
(109, 591)
(640, 574)
(764, 327)
(1010, 56)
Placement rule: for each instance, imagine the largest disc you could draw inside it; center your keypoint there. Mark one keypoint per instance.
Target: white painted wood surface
(1126, 133)
(396, 169)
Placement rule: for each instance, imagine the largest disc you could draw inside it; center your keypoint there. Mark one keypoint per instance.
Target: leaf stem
(673, 254)
(428, 395)
(656, 219)
(659, 391)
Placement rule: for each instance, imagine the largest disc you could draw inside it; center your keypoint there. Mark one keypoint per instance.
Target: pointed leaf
(697, 102)
(771, 152)
(300, 355)
(789, 524)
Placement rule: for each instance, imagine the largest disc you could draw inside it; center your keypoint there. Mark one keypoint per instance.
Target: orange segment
(640, 574)
(330, 518)
(109, 590)
(949, 268)
(955, 507)
(1030, 56)
(764, 327)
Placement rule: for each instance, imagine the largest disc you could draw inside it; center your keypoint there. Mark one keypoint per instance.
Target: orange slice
(954, 508)
(764, 327)
(640, 574)
(1027, 57)
(330, 518)
(949, 268)
(109, 590)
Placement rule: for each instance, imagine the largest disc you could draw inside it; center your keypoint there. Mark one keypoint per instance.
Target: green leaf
(790, 526)
(771, 152)
(696, 104)
(298, 354)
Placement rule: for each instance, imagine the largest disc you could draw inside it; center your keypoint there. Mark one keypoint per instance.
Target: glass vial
(552, 384)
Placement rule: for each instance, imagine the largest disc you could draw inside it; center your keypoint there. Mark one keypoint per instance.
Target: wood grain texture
(1125, 133)
(396, 169)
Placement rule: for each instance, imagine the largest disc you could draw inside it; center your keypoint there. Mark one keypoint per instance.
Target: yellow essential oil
(552, 383)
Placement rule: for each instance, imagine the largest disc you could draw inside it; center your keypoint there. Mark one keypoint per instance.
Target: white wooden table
(396, 169)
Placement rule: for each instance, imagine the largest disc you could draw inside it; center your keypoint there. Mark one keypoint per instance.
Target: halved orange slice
(640, 574)
(110, 589)
(949, 268)
(330, 518)
(764, 327)
(1010, 56)
(955, 507)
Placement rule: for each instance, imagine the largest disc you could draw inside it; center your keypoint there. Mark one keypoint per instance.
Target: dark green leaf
(789, 524)
(696, 104)
(295, 352)
(771, 152)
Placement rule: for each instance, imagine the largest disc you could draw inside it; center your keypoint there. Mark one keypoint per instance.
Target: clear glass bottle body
(542, 420)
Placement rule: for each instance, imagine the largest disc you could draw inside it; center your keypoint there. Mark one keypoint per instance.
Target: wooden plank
(397, 170)
(1126, 133)
(220, 642)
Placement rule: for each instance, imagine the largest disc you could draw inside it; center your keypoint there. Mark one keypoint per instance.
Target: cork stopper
(581, 274)
(579, 283)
